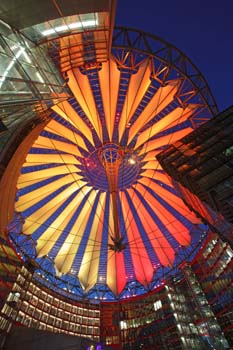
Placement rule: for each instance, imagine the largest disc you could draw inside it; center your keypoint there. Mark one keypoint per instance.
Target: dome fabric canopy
(65, 190)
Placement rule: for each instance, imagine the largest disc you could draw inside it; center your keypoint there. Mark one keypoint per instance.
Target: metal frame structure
(167, 65)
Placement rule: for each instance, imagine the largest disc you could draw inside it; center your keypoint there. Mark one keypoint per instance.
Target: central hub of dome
(111, 155)
(112, 160)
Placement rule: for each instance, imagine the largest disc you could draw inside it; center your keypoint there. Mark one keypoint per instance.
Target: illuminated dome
(94, 209)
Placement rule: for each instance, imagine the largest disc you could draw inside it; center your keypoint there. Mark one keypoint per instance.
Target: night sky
(202, 29)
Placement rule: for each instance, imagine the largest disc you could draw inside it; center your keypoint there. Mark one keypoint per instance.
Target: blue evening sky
(202, 29)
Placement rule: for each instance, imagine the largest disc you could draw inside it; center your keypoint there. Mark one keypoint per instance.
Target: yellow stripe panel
(52, 158)
(161, 246)
(39, 217)
(68, 251)
(66, 111)
(59, 129)
(35, 176)
(164, 140)
(171, 199)
(109, 78)
(162, 98)
(81, 89)
(138, 86)
(46, 143)
(177, 116)
(29, 199)
(47, 240)
(88, 272)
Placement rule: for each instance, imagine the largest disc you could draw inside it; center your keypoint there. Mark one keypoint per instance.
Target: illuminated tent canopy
(92, 196)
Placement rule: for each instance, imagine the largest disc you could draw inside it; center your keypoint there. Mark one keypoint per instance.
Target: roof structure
(88, 200)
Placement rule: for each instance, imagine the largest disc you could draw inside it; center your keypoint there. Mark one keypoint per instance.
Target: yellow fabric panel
(68, 251)
(164, 140)
(46, 143)
(52, 158)
(162, 98)
(109, 78)
(38, 217)
(27, 200)
(35, 176)
(176, 117)
(138, 86)
(170, 198)
(66, 111)
(88, 272)
(47, 240)
(59, 129)
(81, 89)
(50, 236)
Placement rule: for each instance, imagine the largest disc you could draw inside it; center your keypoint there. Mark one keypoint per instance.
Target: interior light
(11, 64)
(74, 25)
(40, 77)
(132, 161)
(62, 28)
(48, 32)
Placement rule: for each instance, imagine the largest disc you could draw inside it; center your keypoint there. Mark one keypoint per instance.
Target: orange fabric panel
(173, 225)
(154, 165)
(153, 174)
(164, 140)
(141, 261)
(177, 116)
(111, 261)
(161, 246)
(171, 199)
